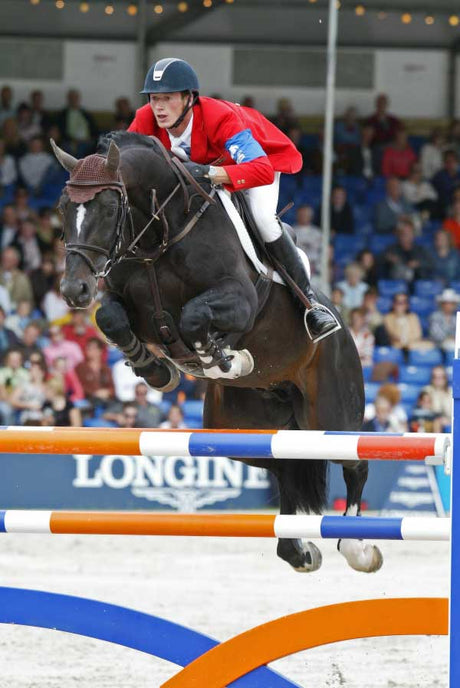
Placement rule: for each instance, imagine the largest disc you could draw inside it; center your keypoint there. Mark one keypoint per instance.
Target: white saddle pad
(246, 241)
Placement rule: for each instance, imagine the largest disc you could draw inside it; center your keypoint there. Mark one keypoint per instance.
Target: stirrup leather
(320, 307)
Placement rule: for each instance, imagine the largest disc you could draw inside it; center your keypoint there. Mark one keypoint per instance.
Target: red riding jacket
(249, 147)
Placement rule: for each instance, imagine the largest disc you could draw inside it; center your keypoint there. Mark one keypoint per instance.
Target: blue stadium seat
(425, 240)
(408, 407)
(362, 214)
(370, 390)
(380, 242)
(367, 373)
(350, 244)
(113, 355)
(415, 375)
(409, 393)
(431, 357)
(364, 229)
(193, 409)
(450, 355)
(455, 285)
(98, 423)
(388, 353)
(427, 288)
(388, 287)
(384, 304)
(422, 305)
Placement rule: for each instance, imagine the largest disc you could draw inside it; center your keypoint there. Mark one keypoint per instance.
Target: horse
(181, 295)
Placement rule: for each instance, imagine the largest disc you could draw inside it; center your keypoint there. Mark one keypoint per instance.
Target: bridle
(118, 251)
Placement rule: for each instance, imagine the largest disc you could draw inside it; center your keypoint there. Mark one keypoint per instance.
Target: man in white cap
(442, 320)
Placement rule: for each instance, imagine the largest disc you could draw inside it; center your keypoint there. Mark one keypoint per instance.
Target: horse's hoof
(313, 559)
(303, 557)
(174, 377)
(365, 558)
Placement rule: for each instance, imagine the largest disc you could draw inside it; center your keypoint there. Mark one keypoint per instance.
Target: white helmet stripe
(161, 67)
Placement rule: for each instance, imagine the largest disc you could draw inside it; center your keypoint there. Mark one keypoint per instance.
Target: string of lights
(360, 10)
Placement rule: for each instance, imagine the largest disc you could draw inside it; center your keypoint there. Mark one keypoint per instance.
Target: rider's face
(167, 107)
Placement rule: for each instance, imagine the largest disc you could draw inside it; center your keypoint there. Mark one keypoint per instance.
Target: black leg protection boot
(319, 321)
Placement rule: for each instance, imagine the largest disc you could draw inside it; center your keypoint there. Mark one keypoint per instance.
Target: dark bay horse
(176, 276)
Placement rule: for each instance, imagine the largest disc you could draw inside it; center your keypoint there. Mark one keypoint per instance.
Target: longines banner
(131, 482)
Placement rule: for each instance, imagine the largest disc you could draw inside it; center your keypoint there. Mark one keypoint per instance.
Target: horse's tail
(303, 485)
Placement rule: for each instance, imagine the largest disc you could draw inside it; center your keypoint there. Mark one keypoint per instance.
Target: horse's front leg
(228, 307)
(360, 556)
(113, 320)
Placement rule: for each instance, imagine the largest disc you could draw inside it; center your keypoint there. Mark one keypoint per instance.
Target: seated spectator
(405, 259)
(148, 415)
(8, 338)
(366, 260)
(28, 245)
(296, 135)
(12, 374)
(66, 380)
(15, 280)
(397, 416)
(363, 160)
(403, 327)
(125, 382)
(431, 154)
(446, 181)
(60, 410)
(61, 348)
(419, 193)
(445, 258)
(128, 418)
(78, 127)
(22, 205)
(337, 296)
(452, 223)
(175, 419)
(443, 319)
(35, 164)
(9, 226)
(423, 417)
(46, 229)
(124, 113)
(30, 395)
(80, 331)
(285, 117)
(347, 130)
(441, 395)
(27, 129)
(6, 104)
(19, 320)
(362, 336)
(8, 171)
(14, 144)
(353, 287)
(372, 316)
(398, 157)
(388, 211)
(382, 421)
(95, 376)
(40, 116)
(53, 304)
(43, 279)
(32, 341)
(341, 214)
(384, 124)
(309, 237)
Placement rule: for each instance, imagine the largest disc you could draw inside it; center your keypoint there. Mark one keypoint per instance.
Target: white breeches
(263, 202)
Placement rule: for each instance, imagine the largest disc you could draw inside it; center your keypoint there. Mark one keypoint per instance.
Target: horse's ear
(67, 161)
(113, 157)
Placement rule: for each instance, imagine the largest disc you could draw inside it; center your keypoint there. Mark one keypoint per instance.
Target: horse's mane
(124, 139)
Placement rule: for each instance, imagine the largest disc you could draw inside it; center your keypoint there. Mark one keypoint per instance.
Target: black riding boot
(319, 321)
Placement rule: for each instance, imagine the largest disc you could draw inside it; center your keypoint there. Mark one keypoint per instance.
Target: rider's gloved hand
(199, 172)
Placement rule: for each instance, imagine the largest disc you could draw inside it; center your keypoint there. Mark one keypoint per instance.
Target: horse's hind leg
(360, 556)
(113, 320)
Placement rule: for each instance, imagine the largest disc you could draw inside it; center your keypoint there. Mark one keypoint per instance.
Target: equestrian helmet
(170, 75)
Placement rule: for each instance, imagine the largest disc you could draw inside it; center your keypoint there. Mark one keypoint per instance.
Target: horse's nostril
(84, 289)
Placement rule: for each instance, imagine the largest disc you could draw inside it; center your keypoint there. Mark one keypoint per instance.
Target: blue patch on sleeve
(243, 147)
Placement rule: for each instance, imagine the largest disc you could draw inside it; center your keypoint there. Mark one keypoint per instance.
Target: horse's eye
(110, 211)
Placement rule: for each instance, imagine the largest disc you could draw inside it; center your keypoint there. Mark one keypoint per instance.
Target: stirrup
(321, 307)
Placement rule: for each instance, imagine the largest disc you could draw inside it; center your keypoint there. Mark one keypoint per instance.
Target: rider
(234, 146)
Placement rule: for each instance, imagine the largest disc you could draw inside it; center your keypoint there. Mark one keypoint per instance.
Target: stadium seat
(422, 305)
(348, 243)
(113, 355)
(409, 393)
(449, 357)
(370, 390)
(193, 409)
(98, 423)
(427, 288)
(388, 287)
(367, 373)
(384, 304)
(415, 375)
(380, 242)
(431, 357)
(455, 285)
(388, 353)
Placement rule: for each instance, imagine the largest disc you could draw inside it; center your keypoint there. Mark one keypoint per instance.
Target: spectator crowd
(394, 268)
